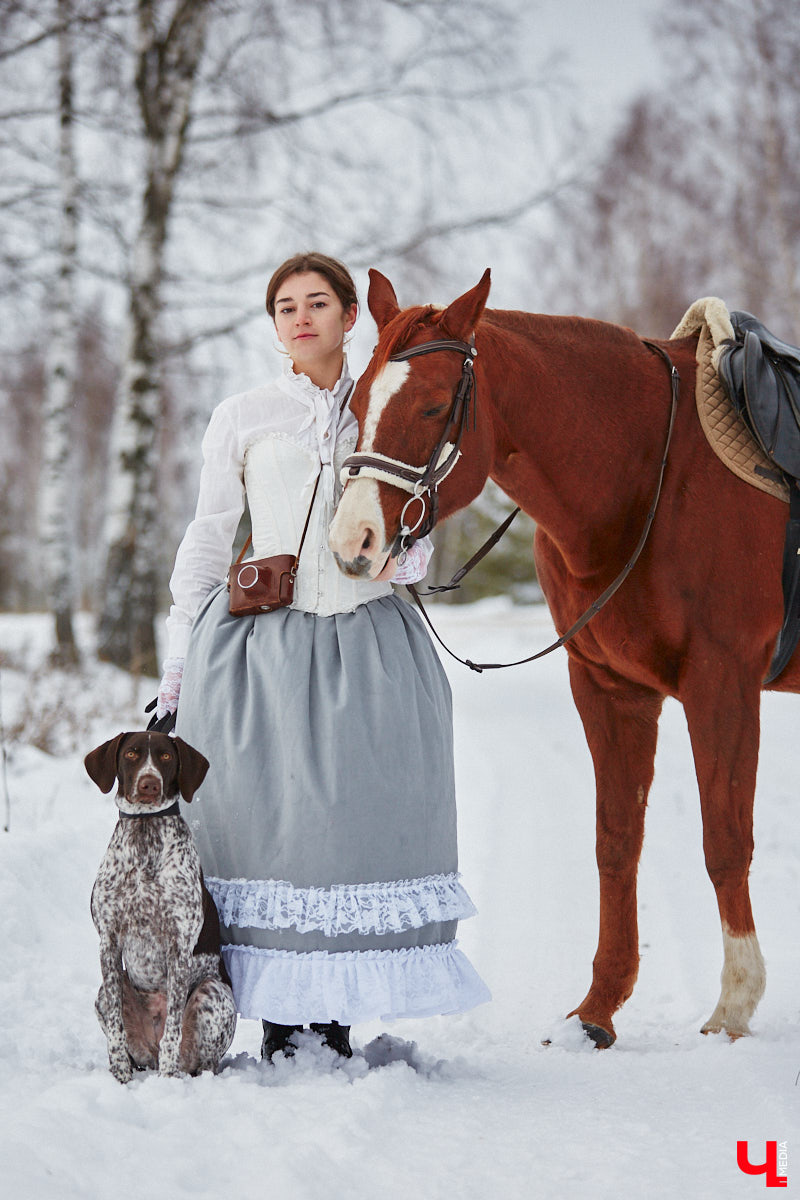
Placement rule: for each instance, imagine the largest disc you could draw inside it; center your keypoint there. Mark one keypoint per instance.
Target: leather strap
(490, 542)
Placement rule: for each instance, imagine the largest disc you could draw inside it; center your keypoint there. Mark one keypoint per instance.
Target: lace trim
(366, 985)
(344, 908)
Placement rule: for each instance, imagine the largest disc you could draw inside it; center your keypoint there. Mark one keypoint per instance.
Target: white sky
(609, 47)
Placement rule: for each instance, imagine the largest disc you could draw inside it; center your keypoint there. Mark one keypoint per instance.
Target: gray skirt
(326, 825)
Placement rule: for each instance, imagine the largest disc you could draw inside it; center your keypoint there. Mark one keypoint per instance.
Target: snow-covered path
(472, 1106)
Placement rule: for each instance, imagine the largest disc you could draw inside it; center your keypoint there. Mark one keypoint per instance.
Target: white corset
(279, 476)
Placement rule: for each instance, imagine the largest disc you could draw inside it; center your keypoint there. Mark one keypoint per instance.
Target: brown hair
(331, 269)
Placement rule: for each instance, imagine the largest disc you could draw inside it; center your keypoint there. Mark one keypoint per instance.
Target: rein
(594, 609)
(428, 473)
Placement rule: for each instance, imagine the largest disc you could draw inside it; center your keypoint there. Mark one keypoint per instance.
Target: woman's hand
(170, 687)
(414, 567)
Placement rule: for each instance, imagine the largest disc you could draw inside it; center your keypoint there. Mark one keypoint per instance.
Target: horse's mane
(397, 332)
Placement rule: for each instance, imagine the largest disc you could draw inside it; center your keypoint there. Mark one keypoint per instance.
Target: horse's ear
(381, 299)
(460, 318)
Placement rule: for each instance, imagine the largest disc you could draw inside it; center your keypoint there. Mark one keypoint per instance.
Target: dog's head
(151, 770)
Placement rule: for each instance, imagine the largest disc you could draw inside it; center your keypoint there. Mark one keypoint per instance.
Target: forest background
(160, 157)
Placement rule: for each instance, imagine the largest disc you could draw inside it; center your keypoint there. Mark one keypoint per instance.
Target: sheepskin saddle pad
(723, 420)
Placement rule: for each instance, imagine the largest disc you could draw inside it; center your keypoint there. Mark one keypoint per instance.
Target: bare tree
(57, 509)
(167, 60)
(697, 193)
(217, 137)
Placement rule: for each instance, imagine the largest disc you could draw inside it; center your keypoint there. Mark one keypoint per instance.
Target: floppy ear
(192, 767)
(101, 764)
(460, 318)
(381, 299)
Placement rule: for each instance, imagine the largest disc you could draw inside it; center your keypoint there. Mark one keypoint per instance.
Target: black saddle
(761, 375)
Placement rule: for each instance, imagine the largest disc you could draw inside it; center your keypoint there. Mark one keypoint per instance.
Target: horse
(574, 416)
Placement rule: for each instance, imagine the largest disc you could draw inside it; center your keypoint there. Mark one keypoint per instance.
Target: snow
(473, 1106)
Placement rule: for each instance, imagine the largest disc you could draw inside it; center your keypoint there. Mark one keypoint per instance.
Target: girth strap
(790, 578)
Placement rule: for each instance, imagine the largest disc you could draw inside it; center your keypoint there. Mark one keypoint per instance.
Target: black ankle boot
(276, 1037)
(334, 1035)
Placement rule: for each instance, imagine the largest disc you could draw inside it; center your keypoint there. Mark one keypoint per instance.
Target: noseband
(423, 482)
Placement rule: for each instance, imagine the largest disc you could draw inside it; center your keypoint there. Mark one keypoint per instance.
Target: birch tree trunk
(57, 524)
(166, 71)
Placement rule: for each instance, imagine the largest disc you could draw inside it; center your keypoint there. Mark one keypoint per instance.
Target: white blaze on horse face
(387, 383)
(359, 516)
(359, 512)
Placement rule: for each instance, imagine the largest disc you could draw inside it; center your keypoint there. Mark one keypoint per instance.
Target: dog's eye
(165, 757)
(131, 753)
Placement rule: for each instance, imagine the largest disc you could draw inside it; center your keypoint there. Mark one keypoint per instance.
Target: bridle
(423, 482)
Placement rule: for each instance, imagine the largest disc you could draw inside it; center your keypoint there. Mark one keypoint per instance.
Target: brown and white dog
(165, 1000)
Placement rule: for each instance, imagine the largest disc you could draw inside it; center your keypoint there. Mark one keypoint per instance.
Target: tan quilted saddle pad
(727, 434)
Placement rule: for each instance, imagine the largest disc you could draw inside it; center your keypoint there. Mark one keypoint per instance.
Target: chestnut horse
(572, 420)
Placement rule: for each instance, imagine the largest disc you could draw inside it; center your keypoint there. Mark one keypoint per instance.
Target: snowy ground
(474, 1106)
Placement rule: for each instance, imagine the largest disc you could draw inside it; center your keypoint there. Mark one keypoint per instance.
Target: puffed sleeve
(204, 555)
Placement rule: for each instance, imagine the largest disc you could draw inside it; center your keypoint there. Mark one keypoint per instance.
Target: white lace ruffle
(344, 908)
(354, 986)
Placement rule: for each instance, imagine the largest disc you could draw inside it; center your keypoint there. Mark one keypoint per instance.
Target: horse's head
(413, 403)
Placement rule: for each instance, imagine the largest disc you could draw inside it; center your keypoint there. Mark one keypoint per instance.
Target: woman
(326, 825)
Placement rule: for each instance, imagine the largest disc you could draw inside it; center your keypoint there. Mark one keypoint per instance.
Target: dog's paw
(172, 1072)
(120, 1066)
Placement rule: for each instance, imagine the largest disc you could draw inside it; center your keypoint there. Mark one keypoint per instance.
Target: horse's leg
(722, 712)
(620, 720)
(621, 724)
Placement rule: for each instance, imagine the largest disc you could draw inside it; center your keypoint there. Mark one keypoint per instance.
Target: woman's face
(310, 319)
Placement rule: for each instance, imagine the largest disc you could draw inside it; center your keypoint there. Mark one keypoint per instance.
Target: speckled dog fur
(165, 1000)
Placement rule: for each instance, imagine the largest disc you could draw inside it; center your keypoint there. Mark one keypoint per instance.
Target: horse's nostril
(368, 539)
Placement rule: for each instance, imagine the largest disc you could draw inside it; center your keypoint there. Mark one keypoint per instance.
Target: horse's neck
(574, 424)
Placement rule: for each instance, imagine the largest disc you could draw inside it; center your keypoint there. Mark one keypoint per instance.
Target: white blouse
(270, 443)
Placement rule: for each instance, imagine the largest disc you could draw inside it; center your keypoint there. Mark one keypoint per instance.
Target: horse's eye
(434, 412)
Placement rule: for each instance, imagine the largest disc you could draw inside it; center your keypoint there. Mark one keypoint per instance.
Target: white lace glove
(170, 687)
(416, 563)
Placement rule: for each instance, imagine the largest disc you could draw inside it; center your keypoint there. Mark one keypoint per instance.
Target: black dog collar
(174, 810)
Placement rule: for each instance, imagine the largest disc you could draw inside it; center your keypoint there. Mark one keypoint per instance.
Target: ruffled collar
(297, 384)
(321, 405)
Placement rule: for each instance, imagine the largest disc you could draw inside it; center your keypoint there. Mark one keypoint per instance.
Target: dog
(166, 1001)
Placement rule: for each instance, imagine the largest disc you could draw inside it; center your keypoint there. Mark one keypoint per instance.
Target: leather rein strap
(605, 596)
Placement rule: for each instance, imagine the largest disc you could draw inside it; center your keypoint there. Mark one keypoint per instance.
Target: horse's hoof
(732, 1035)
(601, 1037)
